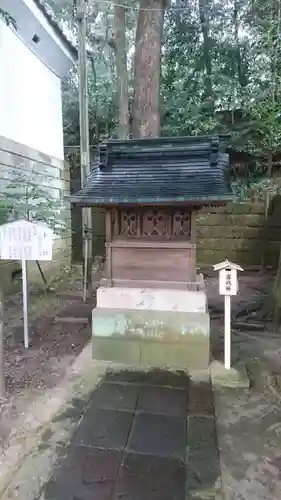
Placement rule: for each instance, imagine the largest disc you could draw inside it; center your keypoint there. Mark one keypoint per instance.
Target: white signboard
(228, 281)
(228, 285)
(23, 240)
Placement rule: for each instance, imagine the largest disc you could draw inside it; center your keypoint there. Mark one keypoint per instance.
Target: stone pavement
(149, 436)
(141, 436)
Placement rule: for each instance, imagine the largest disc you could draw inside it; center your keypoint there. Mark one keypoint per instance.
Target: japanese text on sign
(228, 281)
(23, 240)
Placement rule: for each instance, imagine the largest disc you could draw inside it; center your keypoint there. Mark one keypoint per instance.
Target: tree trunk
(96, 139)
(240, 70)
(276, 53)
(267, 199)
(204, 20)
(277, 282)
(121, 70)
(147, 69)
(277, 293)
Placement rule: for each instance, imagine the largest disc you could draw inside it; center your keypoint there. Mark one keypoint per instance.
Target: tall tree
(147, 69)
(119, 27)
(204, 20)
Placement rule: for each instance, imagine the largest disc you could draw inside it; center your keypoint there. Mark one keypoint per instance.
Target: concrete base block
(152, 338)
(116, 350)
(235, 378)
(146, 354)
(152, 299)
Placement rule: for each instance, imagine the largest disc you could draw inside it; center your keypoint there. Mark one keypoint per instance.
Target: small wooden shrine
(151, 190)
(150, 246)
(151, 306)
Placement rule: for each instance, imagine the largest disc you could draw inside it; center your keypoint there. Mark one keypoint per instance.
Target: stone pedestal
(152, 327)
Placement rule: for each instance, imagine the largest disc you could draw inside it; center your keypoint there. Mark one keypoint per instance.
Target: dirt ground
(54, 345)
(253, 334)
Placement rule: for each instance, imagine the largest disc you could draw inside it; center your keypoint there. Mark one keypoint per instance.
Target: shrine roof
(158, 171)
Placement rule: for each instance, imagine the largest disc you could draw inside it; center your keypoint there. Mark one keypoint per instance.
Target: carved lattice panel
(181, 224)
(154, 223)
(128, 223)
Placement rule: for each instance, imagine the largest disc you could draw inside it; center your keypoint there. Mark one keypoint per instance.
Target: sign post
(227, 331)
(25, 303)
(228, 286)
(24, 240)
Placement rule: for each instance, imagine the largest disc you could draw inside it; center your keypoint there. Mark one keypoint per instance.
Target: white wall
(30, 97)
(39, 16)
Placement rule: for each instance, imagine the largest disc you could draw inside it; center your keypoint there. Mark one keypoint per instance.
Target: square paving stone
(145, 477)
(201, 434)
(126, 376)
(167, 378)
(158, 435)
(202, 476)
(201, 399)
(116, 396)
(163, 400)
(99, 491)
(84, 473)
(203, 465)
(104, 428)
(153, 376)
(83, 465)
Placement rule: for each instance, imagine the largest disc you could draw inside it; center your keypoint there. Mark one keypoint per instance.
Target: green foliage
(30, 196)
(265, 131)
(245, 189)
(220, 75)
(4, 211)
(101, 71)
(244, 43)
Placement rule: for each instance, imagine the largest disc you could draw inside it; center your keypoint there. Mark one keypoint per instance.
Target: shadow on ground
(139, 436)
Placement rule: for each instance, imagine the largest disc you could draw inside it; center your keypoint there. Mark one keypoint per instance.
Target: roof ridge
(151, 174)
(48, 12)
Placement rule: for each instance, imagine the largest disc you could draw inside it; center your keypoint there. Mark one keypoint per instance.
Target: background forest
(220, 72)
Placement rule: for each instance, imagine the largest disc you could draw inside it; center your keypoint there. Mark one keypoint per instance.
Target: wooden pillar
(193, 227)
(108, 234)
(193, 216)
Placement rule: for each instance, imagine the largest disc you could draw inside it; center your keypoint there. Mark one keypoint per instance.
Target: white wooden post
(227, 331)
(228, 286)
(25, 303)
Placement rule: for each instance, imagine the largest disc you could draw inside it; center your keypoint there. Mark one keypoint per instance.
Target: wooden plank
(154, 264)
(174, 285)
(152, 243)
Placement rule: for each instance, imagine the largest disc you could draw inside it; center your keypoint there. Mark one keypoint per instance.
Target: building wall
(15, 158)
(239, 232)
(31, 136)
(38, 34)
(30, 98)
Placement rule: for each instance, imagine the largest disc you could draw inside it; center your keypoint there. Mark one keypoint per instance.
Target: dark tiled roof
(51, 20)
(190, 169)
